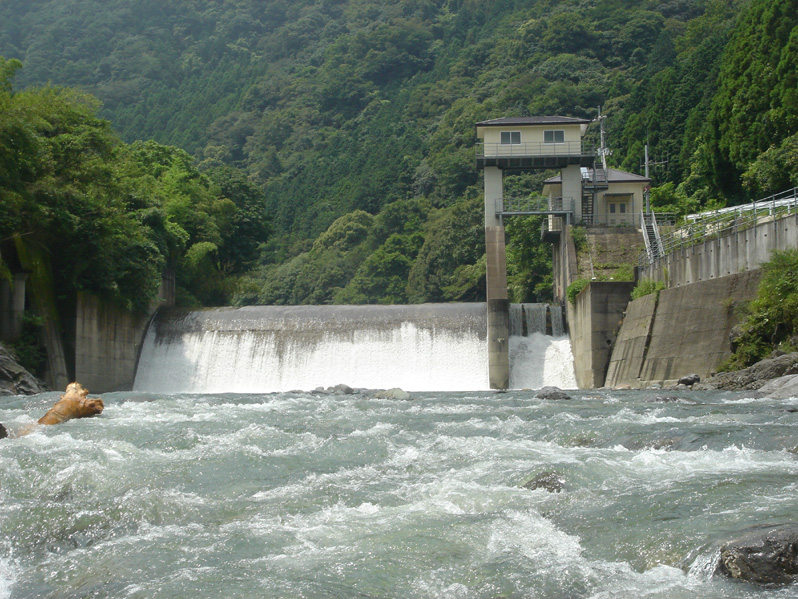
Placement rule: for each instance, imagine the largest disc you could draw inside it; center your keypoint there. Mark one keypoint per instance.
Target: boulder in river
(552, 393)
(551, 481)
(395, 393)
(14, 379)
(689, 379)
(764, 555)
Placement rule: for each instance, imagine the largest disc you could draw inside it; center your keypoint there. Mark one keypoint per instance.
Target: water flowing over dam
(430, 347)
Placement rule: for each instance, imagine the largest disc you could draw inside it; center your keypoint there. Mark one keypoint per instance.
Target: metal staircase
(648, 224)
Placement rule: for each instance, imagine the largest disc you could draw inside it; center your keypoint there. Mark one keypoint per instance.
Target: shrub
(576, 288)
(647, 287)
(772, 318)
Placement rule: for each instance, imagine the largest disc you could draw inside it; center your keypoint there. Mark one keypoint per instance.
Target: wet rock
(14, 379)
(552, 393)
(753, 377)
(394, 393)
(764, 555)
(3, 432)
(666, 398)
(551, 481)
(690, 380)
(780, 388)
(343, 389)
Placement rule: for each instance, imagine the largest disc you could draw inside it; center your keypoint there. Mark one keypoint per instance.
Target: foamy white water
(325, 496)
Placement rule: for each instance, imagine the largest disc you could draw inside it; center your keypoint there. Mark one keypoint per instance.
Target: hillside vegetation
(350, 123)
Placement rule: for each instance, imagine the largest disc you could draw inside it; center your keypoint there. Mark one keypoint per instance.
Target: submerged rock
(765, 555)
(551, 481)
(552, 393)
(14, 379)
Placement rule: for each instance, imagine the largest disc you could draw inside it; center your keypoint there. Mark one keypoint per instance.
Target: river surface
(312, 495)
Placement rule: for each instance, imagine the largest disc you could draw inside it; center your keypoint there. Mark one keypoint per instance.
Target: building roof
(533, 120)
(613, 176)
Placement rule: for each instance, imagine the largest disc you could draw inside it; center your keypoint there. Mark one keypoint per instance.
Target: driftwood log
(74, 403)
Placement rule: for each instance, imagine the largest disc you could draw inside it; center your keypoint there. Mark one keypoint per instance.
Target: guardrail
(534, 205)
(714, 224)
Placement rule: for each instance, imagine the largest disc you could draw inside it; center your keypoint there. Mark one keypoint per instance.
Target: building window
(553, 137)
(511, 137)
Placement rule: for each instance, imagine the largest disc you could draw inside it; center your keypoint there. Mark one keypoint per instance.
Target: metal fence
(699, 228)
(533, 205)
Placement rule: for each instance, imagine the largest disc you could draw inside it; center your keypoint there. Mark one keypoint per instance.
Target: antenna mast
(602, 148)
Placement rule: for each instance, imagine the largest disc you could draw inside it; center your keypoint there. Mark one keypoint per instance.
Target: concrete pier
(498, 309)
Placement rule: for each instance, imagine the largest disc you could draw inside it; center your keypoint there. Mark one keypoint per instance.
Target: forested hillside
(355, 119)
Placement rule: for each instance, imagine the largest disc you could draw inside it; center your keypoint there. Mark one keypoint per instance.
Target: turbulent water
(314, 495)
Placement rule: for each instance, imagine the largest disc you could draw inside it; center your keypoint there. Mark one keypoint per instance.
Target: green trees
(309, 112)
(756, 106)
(112, 217)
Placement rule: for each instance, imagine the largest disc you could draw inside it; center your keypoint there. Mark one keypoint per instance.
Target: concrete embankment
(684, 330)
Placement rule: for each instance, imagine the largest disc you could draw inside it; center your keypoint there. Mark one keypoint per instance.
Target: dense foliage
(111, 217)
(351, 124)
(772, 318)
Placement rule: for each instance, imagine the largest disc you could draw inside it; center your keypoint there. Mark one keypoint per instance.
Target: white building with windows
(587, 190)
(615, 202)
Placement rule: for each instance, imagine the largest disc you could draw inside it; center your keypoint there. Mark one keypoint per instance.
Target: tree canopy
(356, 119)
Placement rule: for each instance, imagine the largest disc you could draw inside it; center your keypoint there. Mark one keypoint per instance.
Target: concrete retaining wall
(734, 253)
(594, 320)
(107, 343)
(686, 330)
(108, 339)
(631, 344)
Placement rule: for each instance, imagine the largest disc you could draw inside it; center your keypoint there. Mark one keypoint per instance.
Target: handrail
(499, 150)
(646, 240)
(533, 205)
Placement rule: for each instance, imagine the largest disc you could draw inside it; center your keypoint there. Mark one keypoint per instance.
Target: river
(316, 495)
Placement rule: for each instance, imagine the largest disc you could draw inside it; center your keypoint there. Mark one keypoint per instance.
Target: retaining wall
(594, 321)
(685, 330)
(107, 343)
(733, 253)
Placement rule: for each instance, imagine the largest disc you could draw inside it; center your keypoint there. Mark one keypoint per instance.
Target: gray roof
(533, 120)
(613, 176)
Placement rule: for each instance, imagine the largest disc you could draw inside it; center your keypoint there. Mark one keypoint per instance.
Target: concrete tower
(522, 143)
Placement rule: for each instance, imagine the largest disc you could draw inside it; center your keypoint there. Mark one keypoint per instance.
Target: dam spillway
(257, 349)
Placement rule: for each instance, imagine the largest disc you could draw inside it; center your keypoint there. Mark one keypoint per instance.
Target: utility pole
(648, 187)
(646, 165)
